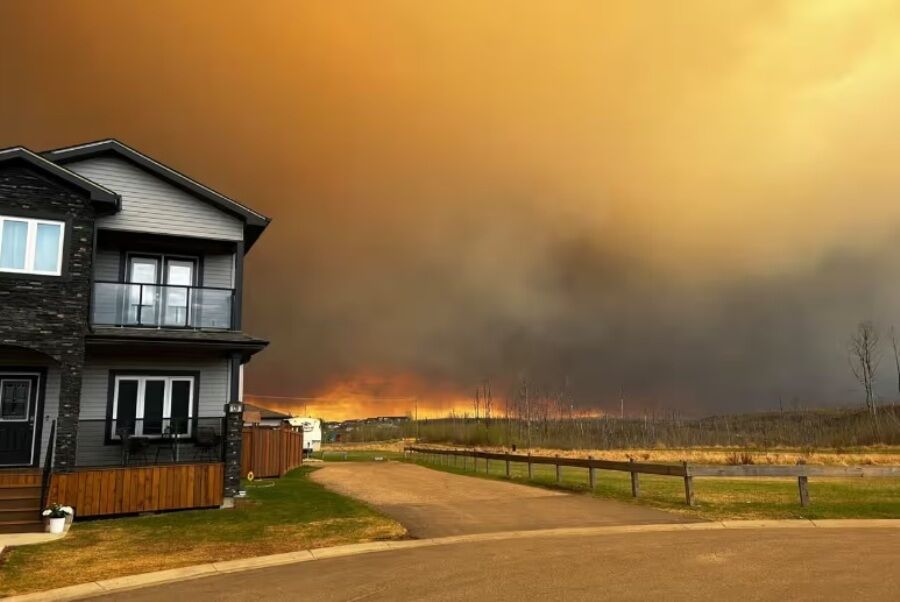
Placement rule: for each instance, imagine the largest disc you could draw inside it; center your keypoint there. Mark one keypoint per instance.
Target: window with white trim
(152, 406)
(31, 246)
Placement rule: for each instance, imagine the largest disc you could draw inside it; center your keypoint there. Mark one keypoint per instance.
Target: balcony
(162, 306)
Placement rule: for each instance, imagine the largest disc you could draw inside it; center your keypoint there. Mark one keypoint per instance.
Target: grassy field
(717, 498)
(879, 455)
(279, 515)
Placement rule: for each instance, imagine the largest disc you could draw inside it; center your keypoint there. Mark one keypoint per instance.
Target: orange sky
(600, 193)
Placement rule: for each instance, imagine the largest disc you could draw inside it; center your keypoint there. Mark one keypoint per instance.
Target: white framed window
(31, 246)
(152, 406)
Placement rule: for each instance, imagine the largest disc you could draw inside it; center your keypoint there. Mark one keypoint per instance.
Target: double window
(152, 406)
(31, 246)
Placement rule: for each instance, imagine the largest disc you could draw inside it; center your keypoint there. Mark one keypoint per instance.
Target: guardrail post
(530, 474)
(507, 466)
(635, 484)
(803, 484)
(688, 485)
(558, 472)
(592, 481)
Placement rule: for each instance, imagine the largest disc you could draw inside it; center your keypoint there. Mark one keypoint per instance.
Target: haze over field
(694, 203)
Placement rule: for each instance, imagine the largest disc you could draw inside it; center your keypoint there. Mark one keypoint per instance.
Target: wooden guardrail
(684, 470)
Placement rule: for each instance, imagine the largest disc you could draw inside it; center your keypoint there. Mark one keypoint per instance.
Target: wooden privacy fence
(684, 470)
(270, 452)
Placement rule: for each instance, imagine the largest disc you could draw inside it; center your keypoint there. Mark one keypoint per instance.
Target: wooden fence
(684, 470)
(127, 490)
(270, 452)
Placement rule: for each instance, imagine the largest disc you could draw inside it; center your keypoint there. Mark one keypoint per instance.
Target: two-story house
(121, 349)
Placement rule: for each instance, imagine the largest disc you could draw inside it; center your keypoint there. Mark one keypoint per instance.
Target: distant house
(255, 415)
(121, 347)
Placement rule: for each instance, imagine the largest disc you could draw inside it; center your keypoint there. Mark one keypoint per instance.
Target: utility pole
(417, 419)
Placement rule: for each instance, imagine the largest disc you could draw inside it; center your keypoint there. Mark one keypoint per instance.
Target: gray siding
(150, 204)
(51, 390)
(91, 450)
(106, 265)
(218, 270)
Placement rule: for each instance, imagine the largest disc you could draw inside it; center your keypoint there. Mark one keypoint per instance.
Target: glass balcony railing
(161, 306)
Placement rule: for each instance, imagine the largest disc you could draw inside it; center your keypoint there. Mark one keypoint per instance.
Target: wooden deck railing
(684, 470)
(128, 490)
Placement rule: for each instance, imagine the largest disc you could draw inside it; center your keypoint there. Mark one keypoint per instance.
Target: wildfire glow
(367, 395)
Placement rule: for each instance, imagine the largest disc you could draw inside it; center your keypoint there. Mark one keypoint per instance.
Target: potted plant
(56, 517)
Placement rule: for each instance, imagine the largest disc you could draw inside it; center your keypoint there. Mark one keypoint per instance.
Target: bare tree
(477, 402)
(896, 354)
(864, 360)
(488, 401)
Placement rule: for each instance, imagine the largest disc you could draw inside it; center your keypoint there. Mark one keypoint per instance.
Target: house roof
(266, 413)
(254, 222)
(98, 194)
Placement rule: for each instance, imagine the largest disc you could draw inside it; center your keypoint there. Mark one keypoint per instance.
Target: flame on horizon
(369, 395)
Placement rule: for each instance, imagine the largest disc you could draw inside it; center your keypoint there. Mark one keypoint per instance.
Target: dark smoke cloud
(692, 204)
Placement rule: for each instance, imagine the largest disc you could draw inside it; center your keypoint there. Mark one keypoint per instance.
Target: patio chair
(206, 443)
(136, 447)
(167, 444)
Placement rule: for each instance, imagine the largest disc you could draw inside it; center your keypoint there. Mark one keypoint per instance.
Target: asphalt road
(745, 564)
(432, 503)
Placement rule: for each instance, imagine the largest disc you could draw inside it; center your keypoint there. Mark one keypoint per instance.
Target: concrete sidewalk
(26, 539)
(133, 582)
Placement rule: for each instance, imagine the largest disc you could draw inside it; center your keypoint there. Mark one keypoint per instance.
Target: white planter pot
(57, 525)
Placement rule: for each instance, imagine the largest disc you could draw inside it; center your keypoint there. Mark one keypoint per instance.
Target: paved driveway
(740, 564)
(432, 503)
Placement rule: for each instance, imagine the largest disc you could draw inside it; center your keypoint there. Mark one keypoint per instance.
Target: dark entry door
(18, 406)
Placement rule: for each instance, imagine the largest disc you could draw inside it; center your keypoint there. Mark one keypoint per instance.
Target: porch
(133, 489)
(127, 443)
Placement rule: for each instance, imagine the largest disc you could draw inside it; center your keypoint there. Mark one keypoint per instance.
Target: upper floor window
(31, 246)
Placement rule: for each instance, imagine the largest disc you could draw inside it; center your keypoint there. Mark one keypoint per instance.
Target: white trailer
(312, 432)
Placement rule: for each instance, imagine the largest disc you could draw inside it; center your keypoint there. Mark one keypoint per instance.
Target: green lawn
(279, 515)
(716, 498)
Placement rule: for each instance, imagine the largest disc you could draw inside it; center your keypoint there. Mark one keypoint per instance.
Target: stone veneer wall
(50, 314)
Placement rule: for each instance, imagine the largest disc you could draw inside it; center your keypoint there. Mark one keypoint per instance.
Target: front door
(18, 408)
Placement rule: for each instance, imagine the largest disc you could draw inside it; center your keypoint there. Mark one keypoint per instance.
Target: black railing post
(48, 467)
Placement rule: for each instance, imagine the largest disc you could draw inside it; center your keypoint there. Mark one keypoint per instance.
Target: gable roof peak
(97, 193)
(254, 221)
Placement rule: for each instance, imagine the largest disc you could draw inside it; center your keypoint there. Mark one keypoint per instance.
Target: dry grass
(871, 456)
(293, 514)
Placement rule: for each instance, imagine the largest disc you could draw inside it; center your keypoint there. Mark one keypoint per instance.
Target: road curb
(130, 582)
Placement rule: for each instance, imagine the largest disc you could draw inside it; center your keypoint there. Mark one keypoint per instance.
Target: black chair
(136, 447)
(167, 443)
(206, 442)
